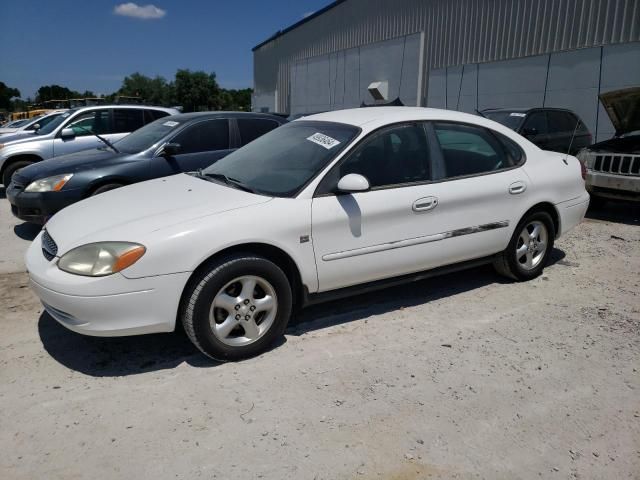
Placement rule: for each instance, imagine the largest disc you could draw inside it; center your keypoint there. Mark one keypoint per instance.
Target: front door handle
(424, 204)
(517, 187)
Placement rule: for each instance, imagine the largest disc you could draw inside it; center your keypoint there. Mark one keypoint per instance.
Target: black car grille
(49, 247)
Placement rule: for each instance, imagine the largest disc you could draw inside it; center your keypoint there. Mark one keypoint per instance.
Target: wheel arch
(277, 255)
(101, 182)
(32, 157)
(549, 208)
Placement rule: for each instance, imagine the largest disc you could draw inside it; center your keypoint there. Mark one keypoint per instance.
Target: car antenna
(571, 142)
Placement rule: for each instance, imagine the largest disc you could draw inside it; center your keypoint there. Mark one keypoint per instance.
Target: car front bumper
(38, 207)
(613, 186)
(105, 306)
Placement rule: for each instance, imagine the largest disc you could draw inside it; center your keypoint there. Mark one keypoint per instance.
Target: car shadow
(123, 356)
(411, 294)
(27, 231)
(627, 213)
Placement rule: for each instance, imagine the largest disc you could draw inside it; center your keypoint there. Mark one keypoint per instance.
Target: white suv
(73, 131)
(321, 207)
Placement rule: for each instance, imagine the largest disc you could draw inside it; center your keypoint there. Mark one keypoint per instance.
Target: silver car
(31, 124)
(74, 130)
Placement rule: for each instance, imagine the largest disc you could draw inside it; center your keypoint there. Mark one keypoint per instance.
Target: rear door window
(536, 124)
(127, 120)
(205, 136)
(252, 128)
(561, 122)
(472, 150)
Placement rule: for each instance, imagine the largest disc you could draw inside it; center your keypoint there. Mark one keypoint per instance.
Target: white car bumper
(105, 306)
(572, 212)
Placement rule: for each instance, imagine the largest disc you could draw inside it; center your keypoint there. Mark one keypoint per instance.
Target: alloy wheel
(243, 310)
(532, 245)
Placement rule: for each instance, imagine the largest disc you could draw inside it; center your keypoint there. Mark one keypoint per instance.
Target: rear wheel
(237, 307)
(529, 248)
(13, 168)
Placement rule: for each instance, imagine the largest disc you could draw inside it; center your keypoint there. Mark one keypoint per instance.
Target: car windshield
(42, 121)
(52, 125)
(147, 136)
(281, 162)
(512, 120)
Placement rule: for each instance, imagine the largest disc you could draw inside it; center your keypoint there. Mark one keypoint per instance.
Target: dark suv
(549, 128)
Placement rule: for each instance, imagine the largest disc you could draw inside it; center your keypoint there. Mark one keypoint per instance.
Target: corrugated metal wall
(456, 32)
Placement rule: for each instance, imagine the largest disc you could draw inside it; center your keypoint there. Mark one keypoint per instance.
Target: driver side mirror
(352, 183)
(67, 134)
(36, 127)
(170, 149)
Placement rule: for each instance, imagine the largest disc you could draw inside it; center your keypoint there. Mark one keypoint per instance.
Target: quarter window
(252, 128)
(394, 156)
(204, 136)
(471, 150)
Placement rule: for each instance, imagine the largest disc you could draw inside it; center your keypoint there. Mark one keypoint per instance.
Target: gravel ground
(461, 376)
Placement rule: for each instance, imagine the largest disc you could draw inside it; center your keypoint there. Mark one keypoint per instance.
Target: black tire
(506, 262)
(13, 168)
(105, 188)
(198, 298)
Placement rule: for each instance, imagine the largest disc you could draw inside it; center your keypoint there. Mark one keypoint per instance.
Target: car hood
(134, 212)
(623, 108)
(72, 163)
(6, 138)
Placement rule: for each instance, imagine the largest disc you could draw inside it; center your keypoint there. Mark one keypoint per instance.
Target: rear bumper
(38, 207)
(572, 212)
(610, 185)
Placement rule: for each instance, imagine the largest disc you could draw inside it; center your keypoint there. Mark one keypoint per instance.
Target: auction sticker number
(323, 140)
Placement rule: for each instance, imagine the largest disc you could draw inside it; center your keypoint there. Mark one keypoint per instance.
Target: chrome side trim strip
(415, 241)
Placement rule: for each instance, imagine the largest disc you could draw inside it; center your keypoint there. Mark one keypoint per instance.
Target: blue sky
(84, 44)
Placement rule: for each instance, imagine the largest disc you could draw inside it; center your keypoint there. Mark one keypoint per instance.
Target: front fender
(184, 247)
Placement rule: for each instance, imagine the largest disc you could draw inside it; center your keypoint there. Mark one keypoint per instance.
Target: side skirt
(315, 298)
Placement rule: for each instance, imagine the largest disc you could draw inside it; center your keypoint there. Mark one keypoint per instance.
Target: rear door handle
(517, 187)
(424, 204)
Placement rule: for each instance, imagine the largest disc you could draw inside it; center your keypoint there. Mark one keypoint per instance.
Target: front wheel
(237, 307)
(528, 251)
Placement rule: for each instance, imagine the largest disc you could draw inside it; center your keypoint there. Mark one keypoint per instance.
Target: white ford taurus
(322, 207)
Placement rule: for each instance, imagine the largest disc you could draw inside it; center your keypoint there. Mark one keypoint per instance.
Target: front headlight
(100, 259)
(49, 184)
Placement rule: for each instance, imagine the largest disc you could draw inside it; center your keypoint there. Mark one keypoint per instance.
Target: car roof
(388, 115)
(526, 110)
(184, 117)
(144, 107)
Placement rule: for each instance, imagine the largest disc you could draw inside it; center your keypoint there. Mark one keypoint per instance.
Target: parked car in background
(613, 166)
(75, 130)
(31, 124)
(319, 208)
(11, 127)
(554, 129)
(170, 145)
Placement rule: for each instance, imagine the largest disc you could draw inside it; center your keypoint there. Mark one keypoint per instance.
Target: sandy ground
(462, 376)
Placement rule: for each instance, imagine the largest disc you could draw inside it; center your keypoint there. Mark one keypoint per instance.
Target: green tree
(6, 94)
(55, 92)
(197, 91)
(152, 90)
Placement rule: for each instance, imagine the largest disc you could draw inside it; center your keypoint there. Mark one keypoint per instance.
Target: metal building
(456, 54)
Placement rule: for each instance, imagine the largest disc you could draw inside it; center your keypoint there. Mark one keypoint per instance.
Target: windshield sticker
(323, 140)
(518, 114)
(170, 123)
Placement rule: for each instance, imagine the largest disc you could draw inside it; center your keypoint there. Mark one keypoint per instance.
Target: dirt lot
(462, 376)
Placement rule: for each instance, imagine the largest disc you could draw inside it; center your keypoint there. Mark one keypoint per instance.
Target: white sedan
(322, 207)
